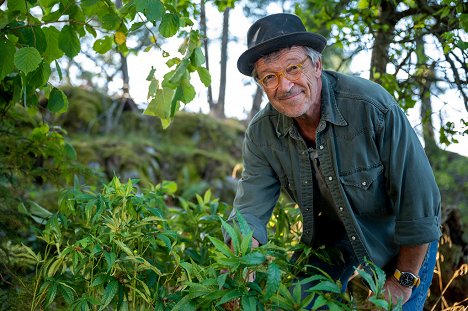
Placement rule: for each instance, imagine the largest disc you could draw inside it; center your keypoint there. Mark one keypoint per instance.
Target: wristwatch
(406, 279)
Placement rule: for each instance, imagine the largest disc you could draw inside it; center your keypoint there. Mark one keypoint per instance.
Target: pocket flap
(362, 179)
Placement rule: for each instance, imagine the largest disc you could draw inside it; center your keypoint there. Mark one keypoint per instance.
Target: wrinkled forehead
(280, 56)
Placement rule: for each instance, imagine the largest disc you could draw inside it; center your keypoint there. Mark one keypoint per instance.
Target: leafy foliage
(131, 250)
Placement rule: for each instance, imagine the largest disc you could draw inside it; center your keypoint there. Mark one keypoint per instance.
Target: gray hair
(314, 56)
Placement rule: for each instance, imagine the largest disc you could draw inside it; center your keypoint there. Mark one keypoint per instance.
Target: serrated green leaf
(197, 57)
(67, 293)
(327, 286)
(188, 91)
(319, 302)
(19, 6)
(51, 293)
(27, 59)
(39, 77)
(169, 25)
(160, 106)
(110, 21)
(100, 279)
(221, 280)
(103, 45)
(233, 235)
(246, 243)
(252, 259)
(165, 240)
(273, 280)
(153, 9)
(33, 37)
(110, 259)
(109, 293)
(243, 225)
(204, 75)
(52, 51)
(58, 102)
(221, 246)
(69, 42)
(230, 295)
(249, 303)
(7, 56)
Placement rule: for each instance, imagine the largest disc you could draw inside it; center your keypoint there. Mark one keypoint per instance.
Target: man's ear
(318, 69)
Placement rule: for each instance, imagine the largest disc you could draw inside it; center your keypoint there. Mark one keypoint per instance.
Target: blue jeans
(344, 272)
(418, 297)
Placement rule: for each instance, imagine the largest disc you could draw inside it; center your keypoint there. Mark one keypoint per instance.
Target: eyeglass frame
(284, 74)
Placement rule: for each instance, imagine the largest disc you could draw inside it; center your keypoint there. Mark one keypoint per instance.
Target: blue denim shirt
(380, 179)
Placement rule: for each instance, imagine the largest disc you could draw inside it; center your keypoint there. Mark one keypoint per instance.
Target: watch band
(406, 279)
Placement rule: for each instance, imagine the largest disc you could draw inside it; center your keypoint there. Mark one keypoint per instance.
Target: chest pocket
(366, 191)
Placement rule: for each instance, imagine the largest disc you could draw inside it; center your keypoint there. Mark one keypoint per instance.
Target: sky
(240, 88)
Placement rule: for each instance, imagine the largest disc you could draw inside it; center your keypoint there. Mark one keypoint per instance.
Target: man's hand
(395, 291)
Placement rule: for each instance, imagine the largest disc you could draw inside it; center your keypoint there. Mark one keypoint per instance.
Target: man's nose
(284, 85)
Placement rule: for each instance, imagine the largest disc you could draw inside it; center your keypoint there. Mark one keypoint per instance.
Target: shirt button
(353, 238)
(321, 147)
(330, 178)
(307, 209)
(305, 182)
(341, 209)
(364, 183)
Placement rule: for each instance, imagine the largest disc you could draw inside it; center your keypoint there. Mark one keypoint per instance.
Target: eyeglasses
(292, 73)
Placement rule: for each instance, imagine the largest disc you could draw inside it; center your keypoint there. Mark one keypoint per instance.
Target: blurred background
(114, 122)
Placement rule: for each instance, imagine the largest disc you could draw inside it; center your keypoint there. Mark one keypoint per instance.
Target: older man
(344, 151)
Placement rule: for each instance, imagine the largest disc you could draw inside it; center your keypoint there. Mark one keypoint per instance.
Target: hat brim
(246, 61)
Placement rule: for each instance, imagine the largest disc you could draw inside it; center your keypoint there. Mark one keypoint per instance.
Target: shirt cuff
(418, 231)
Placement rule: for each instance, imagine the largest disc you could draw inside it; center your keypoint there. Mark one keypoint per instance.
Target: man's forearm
(410, 258)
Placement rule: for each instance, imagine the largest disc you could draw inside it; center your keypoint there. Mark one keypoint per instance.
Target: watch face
(407, 279)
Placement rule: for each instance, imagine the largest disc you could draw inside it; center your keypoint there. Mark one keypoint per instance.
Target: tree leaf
(204, 75)
(7, 55)
(160, 105)
(197, 58)
(27, 59)
(58, 102)
(153, 9)
(17, 5)
(169, 25)
(69, 42)
(119, 38)
(52, 51)
(103, 45)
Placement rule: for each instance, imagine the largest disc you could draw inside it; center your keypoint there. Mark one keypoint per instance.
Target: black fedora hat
(272, 33)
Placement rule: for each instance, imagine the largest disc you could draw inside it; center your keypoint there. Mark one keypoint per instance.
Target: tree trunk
(383, 38)
(257, 102)
(204, 35)
(222, 81)
(426, 78)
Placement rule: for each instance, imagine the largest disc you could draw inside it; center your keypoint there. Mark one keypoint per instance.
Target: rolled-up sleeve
(411, 183)
(257, 193)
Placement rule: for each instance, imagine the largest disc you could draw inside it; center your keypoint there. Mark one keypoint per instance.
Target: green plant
(126, 249)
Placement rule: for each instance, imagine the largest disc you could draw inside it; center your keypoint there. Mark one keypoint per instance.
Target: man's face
(292, 98)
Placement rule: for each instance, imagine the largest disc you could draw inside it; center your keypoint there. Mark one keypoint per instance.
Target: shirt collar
(329, 111)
